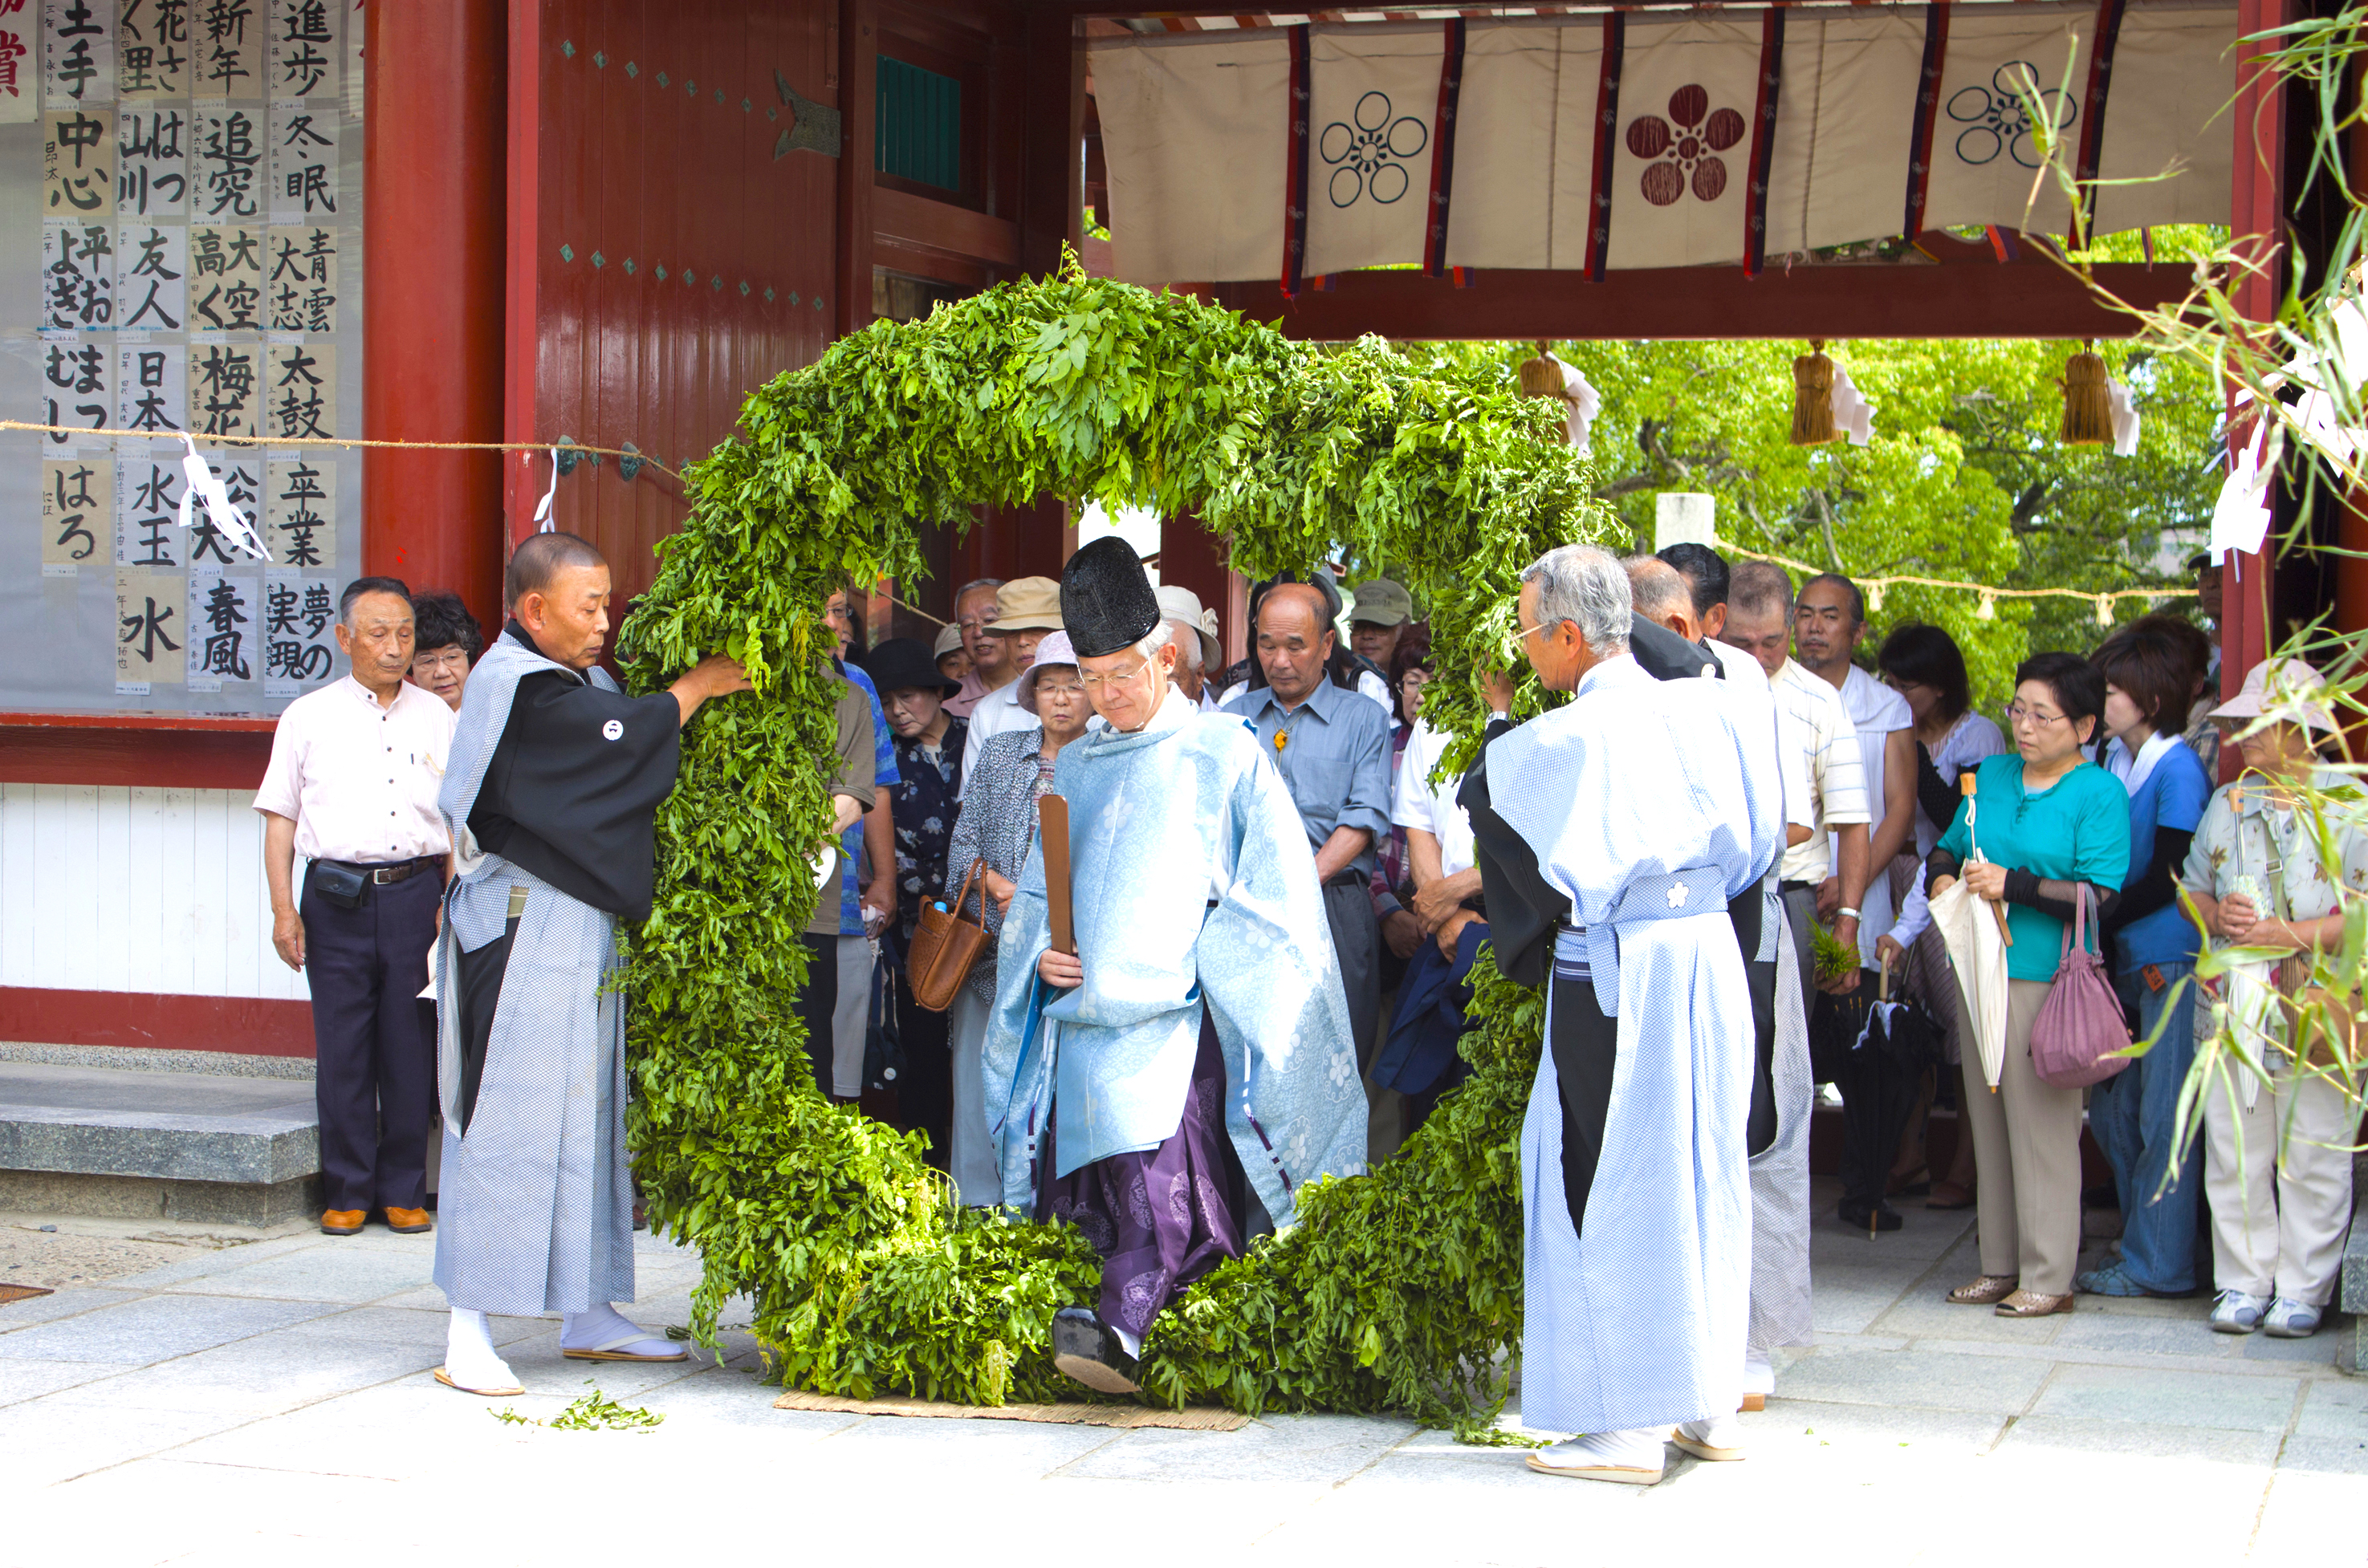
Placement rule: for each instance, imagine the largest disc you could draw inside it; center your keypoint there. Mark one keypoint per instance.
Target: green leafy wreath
(1397, 1290)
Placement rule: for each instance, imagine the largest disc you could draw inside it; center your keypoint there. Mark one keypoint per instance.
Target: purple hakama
(1160, 1217)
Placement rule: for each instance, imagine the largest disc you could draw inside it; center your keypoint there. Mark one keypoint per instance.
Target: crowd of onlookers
(2103, 785)
(2105, 773)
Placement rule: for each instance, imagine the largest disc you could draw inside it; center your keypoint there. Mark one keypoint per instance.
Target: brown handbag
(945, 946)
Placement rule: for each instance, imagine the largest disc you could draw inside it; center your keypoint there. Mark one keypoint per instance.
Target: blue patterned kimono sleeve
(1015, 1064)
(1295, 1105)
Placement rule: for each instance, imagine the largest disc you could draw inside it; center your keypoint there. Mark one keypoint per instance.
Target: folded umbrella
(1879, 1080)
(1978, 956)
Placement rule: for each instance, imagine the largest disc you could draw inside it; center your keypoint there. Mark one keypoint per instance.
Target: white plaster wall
(106, 888)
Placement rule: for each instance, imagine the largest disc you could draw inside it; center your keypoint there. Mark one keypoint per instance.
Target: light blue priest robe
(1193, 886)
(1650, 804)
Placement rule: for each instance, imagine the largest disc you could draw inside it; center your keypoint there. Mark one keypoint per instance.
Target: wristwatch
(1846, 909)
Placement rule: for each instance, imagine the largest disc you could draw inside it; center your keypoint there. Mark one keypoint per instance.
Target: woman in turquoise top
(2045, 819)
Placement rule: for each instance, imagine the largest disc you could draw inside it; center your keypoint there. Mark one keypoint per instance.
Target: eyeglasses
(453, 658)
(1100, 680)
(2019, 715)
(1529, 632)
(1064, 689)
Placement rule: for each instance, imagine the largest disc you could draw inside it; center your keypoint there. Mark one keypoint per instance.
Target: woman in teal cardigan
(2046, 818)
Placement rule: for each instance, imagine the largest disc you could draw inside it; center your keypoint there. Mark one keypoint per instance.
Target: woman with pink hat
(2277, 1160)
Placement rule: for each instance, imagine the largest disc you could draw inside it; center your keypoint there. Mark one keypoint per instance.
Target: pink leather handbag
(2080, 1024)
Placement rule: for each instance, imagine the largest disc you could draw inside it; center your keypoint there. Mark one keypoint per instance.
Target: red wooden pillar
(2259, 209)
(1052, 173)
(432, 313)
(1014, 542)
(2352, 568)
(858, 65)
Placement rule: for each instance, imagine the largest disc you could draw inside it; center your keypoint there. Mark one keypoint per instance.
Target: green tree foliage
(1395, 1291)
(1964, 479)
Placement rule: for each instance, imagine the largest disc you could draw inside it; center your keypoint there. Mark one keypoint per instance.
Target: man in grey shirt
(1332, 747)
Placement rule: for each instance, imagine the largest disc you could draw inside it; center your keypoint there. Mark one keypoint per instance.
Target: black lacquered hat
(1107, 602)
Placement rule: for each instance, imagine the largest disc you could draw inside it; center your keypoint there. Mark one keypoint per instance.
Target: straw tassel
(1813, 397)
(1541, 377)
(2087, 405)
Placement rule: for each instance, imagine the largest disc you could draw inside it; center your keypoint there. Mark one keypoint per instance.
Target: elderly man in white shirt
(1828, 874)
(351, 788)
(1200, 656)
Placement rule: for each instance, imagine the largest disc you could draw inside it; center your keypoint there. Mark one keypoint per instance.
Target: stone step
(176, 1145)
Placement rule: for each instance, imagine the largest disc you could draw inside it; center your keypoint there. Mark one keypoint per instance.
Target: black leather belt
(1796, 886)
(385, 871)
(1347, 878)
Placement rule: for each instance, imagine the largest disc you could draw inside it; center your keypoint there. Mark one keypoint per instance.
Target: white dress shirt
(997, 711)
(1417, 803)
(1876, 713)
(359, 780)
(1836, 781)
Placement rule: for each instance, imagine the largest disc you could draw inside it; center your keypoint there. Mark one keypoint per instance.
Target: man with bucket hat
(1025, 609)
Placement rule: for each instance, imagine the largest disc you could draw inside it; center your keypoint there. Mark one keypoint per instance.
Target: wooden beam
(916, 223)
(171, 751)
(2030, 299)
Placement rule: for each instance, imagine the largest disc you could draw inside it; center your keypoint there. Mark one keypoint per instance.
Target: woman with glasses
(1014, 770)
(449, 641)
(2045, 820)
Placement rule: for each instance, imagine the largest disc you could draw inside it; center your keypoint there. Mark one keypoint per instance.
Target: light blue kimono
(1645, 802)
(1162, 822)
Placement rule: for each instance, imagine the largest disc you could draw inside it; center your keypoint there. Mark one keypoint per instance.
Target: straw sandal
(2031, 1305)
(446, 1378)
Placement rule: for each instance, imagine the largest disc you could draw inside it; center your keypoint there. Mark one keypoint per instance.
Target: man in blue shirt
(866, 853)
(1332, 747)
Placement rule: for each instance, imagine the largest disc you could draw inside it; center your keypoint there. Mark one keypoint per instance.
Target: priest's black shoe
(1860, 1217)
(1086, 1348)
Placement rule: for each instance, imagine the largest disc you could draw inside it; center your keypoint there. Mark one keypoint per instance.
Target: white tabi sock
(606, 1328)
(1718, 1432)
(1759, 1372)
(1636, 1449)
(470, 1359)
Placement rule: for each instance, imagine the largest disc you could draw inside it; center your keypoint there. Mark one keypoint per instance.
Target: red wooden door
(664, 259)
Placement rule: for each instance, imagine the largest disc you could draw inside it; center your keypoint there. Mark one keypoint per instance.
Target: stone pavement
(271, 1404)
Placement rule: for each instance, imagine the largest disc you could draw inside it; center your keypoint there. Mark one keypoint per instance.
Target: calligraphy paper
(151, 632)
(299, 512)
(77, 512)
